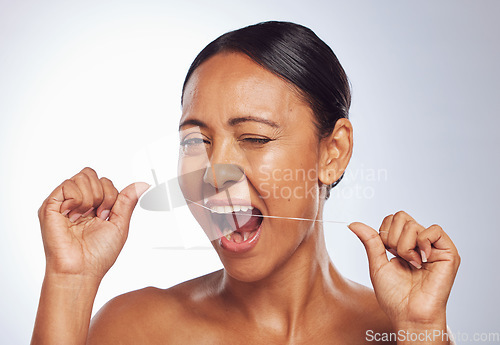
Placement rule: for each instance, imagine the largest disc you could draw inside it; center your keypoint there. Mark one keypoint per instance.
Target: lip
(242, 247)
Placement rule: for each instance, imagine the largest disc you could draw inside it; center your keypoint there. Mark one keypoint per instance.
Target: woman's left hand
(413, 287)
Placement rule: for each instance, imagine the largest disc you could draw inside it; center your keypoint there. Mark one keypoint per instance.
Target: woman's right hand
(85, 223)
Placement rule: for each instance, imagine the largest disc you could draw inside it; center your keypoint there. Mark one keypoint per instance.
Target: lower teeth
(237, 237)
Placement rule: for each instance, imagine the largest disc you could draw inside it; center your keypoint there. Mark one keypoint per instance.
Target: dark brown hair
(296, 54)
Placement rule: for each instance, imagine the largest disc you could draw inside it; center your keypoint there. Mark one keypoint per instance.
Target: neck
(285, 297)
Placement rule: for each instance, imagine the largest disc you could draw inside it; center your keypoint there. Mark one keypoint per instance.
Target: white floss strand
(280, 217)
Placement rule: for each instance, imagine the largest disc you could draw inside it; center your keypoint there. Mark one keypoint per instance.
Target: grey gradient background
(97, 83)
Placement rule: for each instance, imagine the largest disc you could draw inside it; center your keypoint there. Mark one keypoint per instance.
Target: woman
(257, 102)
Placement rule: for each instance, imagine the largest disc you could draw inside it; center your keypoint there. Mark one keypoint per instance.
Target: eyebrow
(232, 122)
(237, 120)
(193, 122)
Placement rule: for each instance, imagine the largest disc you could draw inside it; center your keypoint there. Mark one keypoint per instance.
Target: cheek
(190, 178)
(288, 183)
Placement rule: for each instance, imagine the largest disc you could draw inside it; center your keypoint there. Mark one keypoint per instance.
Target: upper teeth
(229, 209)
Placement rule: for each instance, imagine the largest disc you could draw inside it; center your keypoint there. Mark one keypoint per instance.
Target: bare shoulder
(370, 319)
(151, 315)
(365, 305)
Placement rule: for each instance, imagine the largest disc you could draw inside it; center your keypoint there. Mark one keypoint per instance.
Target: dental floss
(279, 217)
(258, 215)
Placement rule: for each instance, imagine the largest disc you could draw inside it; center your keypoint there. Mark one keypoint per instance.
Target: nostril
(219, 175)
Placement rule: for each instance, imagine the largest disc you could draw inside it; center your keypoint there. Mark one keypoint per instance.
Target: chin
(254, 268)
(246, 272)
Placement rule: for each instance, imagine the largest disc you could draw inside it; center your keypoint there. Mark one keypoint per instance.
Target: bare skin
(285, 290)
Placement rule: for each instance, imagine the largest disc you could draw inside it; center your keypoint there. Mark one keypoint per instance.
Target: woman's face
(237, 113)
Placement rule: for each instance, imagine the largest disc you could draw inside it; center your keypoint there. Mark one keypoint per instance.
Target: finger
(408, 242)
(437, 245)
(384, 230)
(97, 190)
(374, 246)
(110, 195)
(66, 197)
(397, 224)
(83, 183)
(125, 204)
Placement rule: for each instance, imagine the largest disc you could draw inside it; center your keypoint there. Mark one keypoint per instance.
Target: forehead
(232, 83)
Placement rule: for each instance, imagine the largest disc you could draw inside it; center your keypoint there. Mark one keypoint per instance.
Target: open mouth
(238, 224)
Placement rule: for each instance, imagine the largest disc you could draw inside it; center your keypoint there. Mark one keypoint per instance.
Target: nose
(218, 175)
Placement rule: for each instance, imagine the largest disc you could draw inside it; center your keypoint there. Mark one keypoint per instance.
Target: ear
(335, 152)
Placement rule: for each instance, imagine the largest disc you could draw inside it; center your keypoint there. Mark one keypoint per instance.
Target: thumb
(374, 246)
(125, 204)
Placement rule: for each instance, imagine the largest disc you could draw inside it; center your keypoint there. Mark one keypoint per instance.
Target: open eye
(194, 141)
(194, 145)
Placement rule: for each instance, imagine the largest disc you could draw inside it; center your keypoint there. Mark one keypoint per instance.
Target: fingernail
(104, 214)
(74, 217)
(414, 263)
(424, 257)
(65, 212)
(88, 212)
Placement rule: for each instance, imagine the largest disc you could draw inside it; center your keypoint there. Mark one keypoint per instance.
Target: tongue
(237, 237)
